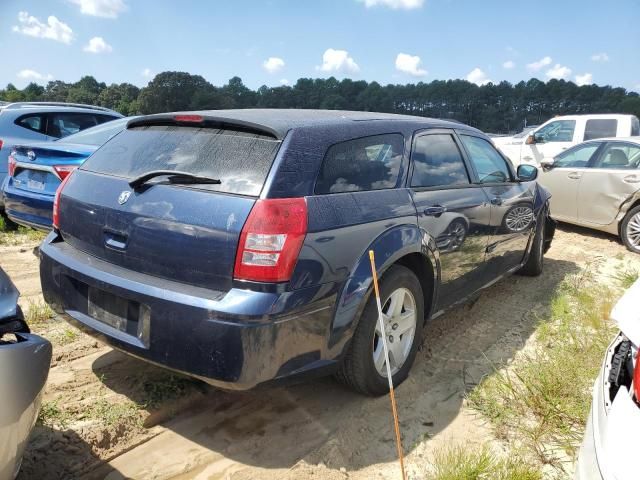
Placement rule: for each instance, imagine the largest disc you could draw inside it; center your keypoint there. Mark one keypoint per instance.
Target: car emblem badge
(124, 196)
(32, 155)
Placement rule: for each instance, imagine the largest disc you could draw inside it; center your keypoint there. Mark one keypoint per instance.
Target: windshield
(98, 135)
(241, 160)
(525, 132)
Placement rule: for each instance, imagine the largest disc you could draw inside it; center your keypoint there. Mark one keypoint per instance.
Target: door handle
(527, 158)
(496, 201)
(631, 179)
(574, 176)
(435, 211)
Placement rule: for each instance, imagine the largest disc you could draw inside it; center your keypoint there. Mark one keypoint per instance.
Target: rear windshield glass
(97, 135)
(240, 160)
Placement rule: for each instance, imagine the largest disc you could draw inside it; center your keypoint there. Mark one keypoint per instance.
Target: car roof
(617, 116)
(278, 122)
(635, 139)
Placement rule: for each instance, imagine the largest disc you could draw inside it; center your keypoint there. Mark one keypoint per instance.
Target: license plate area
(36, 180)
(127, 316)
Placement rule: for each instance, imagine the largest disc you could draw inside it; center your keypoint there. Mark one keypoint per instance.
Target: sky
(274, 42)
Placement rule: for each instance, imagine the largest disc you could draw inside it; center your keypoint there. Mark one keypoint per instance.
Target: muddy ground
(109, 416)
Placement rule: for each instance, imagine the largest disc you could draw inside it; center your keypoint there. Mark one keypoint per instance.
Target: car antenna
(394, 408)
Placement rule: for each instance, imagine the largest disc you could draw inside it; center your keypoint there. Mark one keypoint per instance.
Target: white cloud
(101, 8)
(600, 57)
(147, 73)
(508, 65)
(273, 64)
(97, 45)
(558, 71)
(338, 61)
(586, 79)
(54, 29)
(284, 81)
(32, 75)
(410, 64)
(394, 4)
(540, 64)
(478, 77)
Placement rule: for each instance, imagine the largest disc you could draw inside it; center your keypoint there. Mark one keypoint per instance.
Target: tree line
(497, 108)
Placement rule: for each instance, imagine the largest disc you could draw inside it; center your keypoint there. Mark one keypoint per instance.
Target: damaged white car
(610, 443)
(596, 184)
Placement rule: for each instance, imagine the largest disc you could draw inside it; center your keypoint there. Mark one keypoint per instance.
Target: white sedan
(596, 184)
(610, 447)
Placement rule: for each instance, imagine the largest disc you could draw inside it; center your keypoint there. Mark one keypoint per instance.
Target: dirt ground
(109, 416)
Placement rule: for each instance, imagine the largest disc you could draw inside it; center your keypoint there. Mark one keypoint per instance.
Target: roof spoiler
(203, 119)
(16, 105)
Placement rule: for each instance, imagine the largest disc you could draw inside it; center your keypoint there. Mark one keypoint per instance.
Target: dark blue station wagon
(233, 245)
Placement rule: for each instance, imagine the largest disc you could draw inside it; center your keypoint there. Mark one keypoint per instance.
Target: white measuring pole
(394, 408)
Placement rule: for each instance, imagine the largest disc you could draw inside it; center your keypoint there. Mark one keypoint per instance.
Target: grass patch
(38, 313)
(68, 336)
(167, 387)
(627, 277)
(19, 236)
(465, 463)
(110, 413)
(542, 400)
(52, 415)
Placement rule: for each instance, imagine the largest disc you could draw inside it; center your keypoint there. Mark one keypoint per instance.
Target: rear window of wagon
(240, 159)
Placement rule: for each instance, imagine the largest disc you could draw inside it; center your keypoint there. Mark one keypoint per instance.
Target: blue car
(233, 245)
(37, 169)
(27, 122)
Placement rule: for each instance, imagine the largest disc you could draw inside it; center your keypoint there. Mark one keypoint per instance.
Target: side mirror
(527, 173)
(546, 165)
(531, 139)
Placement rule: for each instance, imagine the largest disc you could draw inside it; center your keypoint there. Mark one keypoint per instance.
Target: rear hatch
(186, 233)
(39, 168)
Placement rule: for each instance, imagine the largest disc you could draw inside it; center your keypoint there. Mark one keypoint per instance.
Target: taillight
(271, 240)
(12, 163)
(636, 378)
(63, 171)
(56, 203)
(1, 143)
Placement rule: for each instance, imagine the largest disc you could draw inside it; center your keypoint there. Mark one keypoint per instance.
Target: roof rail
(11, 106)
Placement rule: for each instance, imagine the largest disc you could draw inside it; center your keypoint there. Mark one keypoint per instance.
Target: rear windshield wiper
(174, 177)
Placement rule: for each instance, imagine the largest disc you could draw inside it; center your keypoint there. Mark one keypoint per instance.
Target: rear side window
(240, 160)
(600, 128)
(437, 162)
(31, 122)
(63, 124)
(369, 163)
(489, 164)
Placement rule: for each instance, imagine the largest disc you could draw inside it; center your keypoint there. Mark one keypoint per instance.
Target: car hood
(626, 313)
(8, 297)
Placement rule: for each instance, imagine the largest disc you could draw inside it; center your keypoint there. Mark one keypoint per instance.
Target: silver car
(610, 443)
(596, 184)
(24, 367)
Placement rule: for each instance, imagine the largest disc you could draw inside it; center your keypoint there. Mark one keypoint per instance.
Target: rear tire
(630, 230)
(359, 371)
(533, 266)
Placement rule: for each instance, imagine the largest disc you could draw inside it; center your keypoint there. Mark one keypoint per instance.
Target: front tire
(630, 230)
(533, 266)
(363, 368)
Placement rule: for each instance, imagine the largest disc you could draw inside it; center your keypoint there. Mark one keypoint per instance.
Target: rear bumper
(24, 367)
(236, 339)
(28, 208)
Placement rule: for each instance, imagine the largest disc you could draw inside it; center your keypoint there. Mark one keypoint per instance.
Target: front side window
(600, 128)
(437, 162)
(64, 124)
(558, 131)
(576, 157)
(369, 163)
(31, 122)
(489, 164)
(619, 156)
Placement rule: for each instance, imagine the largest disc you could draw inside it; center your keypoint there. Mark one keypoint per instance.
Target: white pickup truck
(560, 133)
